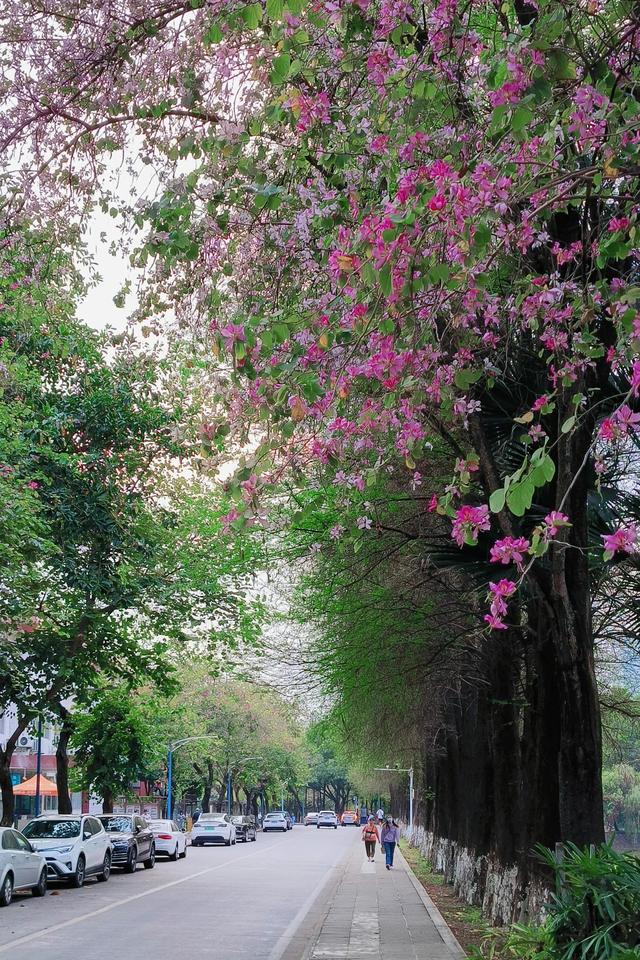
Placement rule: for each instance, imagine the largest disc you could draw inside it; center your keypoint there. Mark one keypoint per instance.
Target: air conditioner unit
(25, 741)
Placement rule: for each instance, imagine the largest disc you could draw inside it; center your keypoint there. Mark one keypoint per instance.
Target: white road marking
(29, 938)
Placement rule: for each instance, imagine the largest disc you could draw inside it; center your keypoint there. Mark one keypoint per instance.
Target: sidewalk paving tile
(378, 914)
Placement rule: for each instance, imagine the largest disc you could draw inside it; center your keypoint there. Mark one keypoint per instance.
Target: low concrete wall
(480, 880)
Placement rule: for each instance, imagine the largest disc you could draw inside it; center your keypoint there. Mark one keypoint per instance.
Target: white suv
(74, 846)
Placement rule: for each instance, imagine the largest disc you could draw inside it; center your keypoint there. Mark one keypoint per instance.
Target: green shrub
(594, 914)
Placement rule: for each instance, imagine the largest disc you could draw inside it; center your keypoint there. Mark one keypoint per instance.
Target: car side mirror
(87, 835)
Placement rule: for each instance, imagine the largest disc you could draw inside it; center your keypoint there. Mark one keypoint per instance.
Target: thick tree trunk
(107, 800)
(6, 788)
(62, 762)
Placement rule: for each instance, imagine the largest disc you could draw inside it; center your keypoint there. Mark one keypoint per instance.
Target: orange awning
(28, 787)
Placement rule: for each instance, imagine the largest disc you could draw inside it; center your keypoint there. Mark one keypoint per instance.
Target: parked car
(132, 840)
(74, 846)
(20, 867)
(275, 821)
(349, 818)
(169, 838)
(327, 818)
(311, 818)
(213, 828)
(289, 819)
(245, 828)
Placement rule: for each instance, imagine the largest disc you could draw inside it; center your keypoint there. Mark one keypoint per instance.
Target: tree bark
(62, 762)
(107, 800)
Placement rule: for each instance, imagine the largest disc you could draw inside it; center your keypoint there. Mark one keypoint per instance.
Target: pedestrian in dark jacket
(389, 837)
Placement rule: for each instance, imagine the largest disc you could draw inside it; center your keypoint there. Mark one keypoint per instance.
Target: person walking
(370, 836)
(389, 837)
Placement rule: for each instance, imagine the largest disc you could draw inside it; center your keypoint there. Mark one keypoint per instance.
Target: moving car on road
(20, 866)
(349, 818)
(132, 840)
(74, 846)
(275, 821)
(213, 828)
(169, 838)
(327, 818)
(245, 828)
(311, 818)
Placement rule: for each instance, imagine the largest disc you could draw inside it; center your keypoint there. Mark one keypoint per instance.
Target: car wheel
(174, 856)
(184, 852)
(150, 863)
(227, 843)
(132, 861)
(41, 888)
(6, 891)
(105, 873)
(336, 827)
(77, 880)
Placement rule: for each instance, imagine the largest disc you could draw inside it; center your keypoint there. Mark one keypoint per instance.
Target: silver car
(20, 867)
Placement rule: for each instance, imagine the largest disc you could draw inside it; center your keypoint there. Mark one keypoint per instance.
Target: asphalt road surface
(247, 902)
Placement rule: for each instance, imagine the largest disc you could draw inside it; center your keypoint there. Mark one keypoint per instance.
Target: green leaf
(280, 69)
(568, 425)
(384, 278)
(497, 500)
(521, 118)
(275, 9)
(252, 15)
(520, 497)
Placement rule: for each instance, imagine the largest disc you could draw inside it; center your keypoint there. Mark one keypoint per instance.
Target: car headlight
(60, 849)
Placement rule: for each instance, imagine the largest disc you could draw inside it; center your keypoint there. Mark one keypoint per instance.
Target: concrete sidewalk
(378, 914)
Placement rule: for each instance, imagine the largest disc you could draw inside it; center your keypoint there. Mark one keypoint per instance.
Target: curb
(438, 920)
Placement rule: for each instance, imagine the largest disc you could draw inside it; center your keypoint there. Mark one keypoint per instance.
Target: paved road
(241, 903)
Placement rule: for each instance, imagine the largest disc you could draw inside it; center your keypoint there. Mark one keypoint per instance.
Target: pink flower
(499, 593)
(468, 523)
(433, 504)
(232, 333)
(509, 550)
(619, 223)
(228, 519)
(626, 419)
(622, 540)
(552, 523)
(635, 378)
(33, 485)
(364, 523)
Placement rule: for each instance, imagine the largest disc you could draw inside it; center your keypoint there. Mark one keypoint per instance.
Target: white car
(327, 818)
(170, 839)
(213, 828)
(275, 821)
(74, 846)
(20, 867)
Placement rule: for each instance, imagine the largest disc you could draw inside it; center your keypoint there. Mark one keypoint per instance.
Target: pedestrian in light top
(370, 835)
(389, 837)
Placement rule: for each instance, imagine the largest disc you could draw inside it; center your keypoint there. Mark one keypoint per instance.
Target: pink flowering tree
(404, 227)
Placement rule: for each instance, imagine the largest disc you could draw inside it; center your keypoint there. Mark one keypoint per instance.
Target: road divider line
(30, 937)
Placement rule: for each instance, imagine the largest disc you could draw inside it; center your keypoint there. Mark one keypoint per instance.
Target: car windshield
(52, 829)
(274, 816)
(160, 825)
(117, 824)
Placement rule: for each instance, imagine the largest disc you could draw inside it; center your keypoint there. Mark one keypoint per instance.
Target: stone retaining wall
(481, 881)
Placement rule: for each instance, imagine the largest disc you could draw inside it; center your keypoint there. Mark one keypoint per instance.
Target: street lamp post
(408, 770)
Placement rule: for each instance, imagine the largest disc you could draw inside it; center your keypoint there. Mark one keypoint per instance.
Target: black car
(245, 828)
(132, 840)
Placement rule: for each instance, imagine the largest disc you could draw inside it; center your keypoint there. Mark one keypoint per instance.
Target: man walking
(389, 836)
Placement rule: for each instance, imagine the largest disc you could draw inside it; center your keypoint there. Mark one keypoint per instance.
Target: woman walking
(370, 836)
(389, 836)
